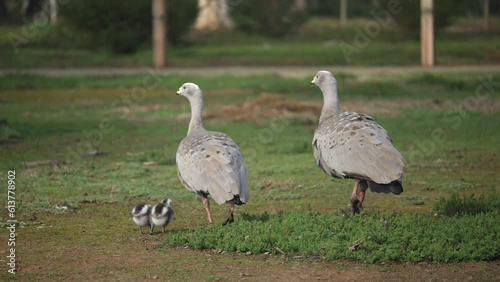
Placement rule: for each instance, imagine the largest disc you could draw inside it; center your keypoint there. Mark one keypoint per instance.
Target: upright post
(343, 13)
(159, 33)
(426, 33)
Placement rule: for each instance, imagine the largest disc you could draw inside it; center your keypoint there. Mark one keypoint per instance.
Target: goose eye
(184, 87)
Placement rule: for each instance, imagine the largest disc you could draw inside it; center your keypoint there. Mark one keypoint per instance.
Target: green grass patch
(416, 86)
(373, 237)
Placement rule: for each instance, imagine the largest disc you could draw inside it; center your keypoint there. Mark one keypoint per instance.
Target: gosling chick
(141, 216)
(162, 214)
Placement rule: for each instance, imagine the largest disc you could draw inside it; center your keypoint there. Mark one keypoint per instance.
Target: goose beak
(179, 91)
(313, 81)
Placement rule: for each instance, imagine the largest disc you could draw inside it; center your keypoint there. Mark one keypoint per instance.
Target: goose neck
(330, 100)
(196, 122)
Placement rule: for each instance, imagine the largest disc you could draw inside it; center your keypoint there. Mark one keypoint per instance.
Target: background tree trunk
(486, 15)
(31, 8)
(213, 15)
(301, 5)
(53, 11)
(4, 13)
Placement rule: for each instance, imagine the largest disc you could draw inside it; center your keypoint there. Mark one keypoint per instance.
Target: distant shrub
(270, 18)
(355, 9)
(126, 25)
(7, 132)
(456, 205)
(409, 18)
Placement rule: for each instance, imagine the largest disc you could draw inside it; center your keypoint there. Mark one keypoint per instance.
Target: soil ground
(116, 259)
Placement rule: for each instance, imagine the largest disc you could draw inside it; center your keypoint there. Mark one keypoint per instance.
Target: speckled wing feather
(211, 162)
(353, 145)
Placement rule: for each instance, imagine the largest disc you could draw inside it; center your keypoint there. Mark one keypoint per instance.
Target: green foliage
(271, 18)
(125, 26)
(372, 237)
(310, 46)
(456, 205)
(355, 9)
(409, 17)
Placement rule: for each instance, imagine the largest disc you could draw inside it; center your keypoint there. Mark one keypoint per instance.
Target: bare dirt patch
(269, 106)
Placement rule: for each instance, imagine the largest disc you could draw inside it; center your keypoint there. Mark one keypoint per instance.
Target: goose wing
(352, 145)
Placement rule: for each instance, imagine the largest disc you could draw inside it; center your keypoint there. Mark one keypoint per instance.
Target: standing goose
(210, 162)
(353, 145)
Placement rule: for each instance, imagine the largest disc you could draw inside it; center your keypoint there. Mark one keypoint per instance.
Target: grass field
(296, 225)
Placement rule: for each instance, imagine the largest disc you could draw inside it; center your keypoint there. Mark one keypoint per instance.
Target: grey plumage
(140, 216)
(353, 145)
(162, 214)
(210, 163)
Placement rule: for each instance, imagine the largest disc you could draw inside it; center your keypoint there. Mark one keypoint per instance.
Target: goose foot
(230, 217)
(356, 206)
(358, 195)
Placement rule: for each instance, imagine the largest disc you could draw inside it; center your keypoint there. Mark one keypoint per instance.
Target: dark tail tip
(394, 187)
(236, 200)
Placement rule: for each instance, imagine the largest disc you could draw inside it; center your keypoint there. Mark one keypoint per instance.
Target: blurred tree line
(125, 25)
(362, 8)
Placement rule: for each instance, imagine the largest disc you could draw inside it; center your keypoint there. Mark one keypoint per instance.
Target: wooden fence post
(159, 33)
(343, 13)
(426, 33)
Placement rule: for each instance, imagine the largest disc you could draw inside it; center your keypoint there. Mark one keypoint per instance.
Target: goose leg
(354, 198)
(362, 187)
(230, 217)
(206, 203)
